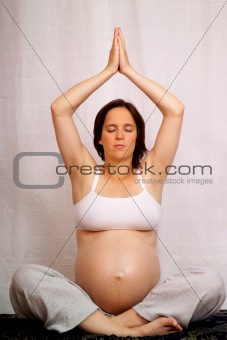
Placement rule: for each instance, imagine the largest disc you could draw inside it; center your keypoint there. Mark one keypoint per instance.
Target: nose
(119, 134)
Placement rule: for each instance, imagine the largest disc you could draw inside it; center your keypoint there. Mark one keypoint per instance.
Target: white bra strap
(141, 180)
(95, 182)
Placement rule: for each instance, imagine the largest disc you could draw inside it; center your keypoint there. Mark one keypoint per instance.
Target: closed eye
(127, 128)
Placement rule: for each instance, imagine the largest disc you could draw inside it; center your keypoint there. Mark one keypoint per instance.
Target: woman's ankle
(129, 319)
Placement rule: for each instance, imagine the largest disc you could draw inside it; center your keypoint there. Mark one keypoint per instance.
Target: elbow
(58, 108)
(179, 110)
(176, 111)
(54, 107)
(173, 109)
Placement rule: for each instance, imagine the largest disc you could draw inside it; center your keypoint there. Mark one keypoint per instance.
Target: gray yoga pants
(39, 292)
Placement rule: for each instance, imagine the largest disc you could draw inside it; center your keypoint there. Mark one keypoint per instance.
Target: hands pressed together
(118, 58)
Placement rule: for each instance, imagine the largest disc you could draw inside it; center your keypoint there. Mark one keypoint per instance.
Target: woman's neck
(119, 170)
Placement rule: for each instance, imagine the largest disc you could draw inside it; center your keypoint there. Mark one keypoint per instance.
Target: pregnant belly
(117, 270)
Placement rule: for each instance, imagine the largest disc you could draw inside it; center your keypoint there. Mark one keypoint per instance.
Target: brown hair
(140, 148)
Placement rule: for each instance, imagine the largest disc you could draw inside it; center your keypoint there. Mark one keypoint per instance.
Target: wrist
(127, 71)
(110, 71)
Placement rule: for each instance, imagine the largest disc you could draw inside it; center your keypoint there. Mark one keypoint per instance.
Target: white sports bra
(95, 212)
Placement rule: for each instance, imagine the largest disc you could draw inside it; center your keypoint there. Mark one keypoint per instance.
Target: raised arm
(164, 149)
(68, 139)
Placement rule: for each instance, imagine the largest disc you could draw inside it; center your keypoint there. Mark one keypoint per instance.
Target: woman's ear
(100, 141)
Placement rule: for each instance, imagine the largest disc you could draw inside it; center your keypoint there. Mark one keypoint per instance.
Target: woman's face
(119, 134)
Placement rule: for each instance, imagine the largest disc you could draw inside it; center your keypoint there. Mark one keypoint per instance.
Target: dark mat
(13, 328)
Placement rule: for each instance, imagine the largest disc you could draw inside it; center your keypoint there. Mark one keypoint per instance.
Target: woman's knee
(219, 286)
(25, 276)
(208, 285)
(215, 285)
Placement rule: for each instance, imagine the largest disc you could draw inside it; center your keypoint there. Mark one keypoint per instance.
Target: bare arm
(68, 139)
(172, 110)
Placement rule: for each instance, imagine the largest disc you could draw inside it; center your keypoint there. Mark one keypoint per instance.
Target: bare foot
(159, 326)
(129, 319)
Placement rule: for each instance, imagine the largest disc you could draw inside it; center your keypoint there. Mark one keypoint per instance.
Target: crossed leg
(128, 324)
(159, 326)
(39, 292)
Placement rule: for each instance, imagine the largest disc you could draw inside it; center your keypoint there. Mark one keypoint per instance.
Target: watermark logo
(16, 170)
(61, 170)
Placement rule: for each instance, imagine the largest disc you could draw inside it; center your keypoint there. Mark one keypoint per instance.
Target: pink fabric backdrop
(48, 46)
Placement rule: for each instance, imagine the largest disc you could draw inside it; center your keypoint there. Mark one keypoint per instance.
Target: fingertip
(117, 31)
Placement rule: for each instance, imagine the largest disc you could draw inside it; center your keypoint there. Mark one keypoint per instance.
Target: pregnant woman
(117, 288)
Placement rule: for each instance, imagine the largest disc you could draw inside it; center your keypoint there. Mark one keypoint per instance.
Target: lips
(119, 146)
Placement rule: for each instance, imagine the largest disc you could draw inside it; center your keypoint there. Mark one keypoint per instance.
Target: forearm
(68, 102)
(167, 103)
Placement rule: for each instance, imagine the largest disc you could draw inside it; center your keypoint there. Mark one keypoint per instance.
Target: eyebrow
(115, 125)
